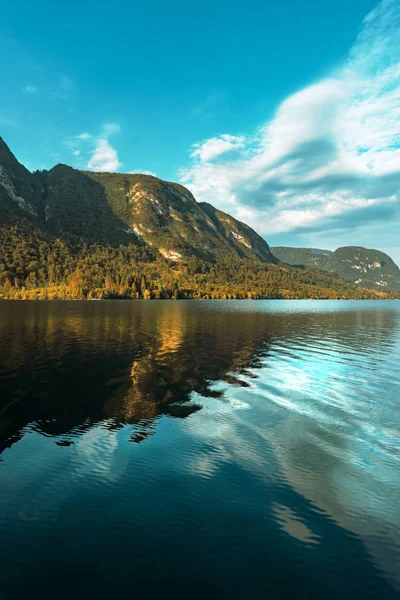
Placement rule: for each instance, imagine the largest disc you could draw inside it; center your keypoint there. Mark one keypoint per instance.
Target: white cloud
(30, 89)
(142, 172)
(104, 157)
(330, 156)
(95, 152)
(216, 146)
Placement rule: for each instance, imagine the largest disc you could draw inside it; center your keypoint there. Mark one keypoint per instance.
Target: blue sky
(286, 115)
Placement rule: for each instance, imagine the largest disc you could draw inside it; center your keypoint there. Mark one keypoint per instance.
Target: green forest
(35, 265)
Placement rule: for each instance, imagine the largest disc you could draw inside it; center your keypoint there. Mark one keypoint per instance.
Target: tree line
(34, 265)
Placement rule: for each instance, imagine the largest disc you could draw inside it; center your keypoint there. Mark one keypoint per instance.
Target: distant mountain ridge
(365, 267)
(300, 257)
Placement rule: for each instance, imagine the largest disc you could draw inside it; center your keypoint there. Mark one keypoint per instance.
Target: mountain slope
(365, 267)
(241, 237)
(77, 206)
(166, 216)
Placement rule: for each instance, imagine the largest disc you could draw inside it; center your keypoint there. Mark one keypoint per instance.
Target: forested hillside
(34, 265)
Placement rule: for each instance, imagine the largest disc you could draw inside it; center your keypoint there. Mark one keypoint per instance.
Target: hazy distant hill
(362, 266)
(301, 257)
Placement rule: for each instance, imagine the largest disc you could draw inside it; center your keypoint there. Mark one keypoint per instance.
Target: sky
(285, 115)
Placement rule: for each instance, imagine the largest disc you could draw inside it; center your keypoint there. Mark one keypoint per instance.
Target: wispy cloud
(207, 108)
(83, 136)
(329, 158)
(64, 88)
(111, 129)
(30, 89)
(65, 83)
(82, 141)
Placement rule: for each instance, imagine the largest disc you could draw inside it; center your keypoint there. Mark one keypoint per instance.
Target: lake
(216, 449)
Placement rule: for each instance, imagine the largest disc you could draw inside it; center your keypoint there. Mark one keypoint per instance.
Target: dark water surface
(200, 449)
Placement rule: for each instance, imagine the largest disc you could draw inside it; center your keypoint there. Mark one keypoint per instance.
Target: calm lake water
(200, 449)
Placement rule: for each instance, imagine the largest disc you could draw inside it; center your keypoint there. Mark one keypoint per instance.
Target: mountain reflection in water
(267, 431)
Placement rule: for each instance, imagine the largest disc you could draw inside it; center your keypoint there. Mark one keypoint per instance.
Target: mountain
(116, 208)
(66, 233)
(365, 267)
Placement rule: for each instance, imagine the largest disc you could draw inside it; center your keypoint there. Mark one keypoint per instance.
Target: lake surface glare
(215, 449)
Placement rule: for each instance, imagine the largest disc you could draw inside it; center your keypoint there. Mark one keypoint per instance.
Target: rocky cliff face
(20, 190)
